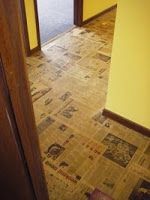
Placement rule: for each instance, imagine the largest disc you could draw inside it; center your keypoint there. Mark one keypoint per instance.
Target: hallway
(81, 149)
(55, 17)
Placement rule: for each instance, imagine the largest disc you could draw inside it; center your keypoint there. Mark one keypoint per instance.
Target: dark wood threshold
(99, 14)
(126, 122)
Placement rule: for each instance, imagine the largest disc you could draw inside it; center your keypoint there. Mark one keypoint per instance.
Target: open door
(21, 170)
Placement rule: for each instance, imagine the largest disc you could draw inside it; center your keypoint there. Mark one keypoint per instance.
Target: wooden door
(21, 169)
(14, 176)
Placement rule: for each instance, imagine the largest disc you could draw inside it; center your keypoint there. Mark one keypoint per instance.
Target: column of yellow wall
(129, 84)
(31, 23)
(93, 7)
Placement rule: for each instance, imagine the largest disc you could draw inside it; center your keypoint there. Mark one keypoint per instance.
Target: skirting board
(36, 49)
(128, 123)
(99, 14)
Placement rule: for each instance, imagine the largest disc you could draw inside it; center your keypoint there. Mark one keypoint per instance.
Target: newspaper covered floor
(81, 149)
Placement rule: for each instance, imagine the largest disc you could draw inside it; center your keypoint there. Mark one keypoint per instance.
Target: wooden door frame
(27, 48)
(11, 153)
(78, 12)
(15, 70)
(78, 21)
(25, 28)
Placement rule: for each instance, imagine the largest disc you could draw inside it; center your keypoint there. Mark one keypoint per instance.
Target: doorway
(84, 154)
(55, 17)
(51, 18)
(69, 80)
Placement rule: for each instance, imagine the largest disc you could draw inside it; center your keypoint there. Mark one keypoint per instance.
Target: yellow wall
(93, 7)
(30, 14)
(129, 84)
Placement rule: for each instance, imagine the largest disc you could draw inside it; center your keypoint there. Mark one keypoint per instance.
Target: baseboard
(34, 50)
(99, 14)
(128, 123)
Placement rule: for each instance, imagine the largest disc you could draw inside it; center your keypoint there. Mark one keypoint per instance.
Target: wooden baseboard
(36, 49)
(128, 123)
(99, 14)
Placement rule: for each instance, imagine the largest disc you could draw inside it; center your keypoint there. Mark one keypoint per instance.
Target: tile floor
(82, 151)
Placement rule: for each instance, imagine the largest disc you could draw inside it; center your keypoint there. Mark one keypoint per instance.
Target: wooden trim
(12, 54)
(25, 28)
(126, 122)
(37, 26)
(78, 12)
(28, 50)
(99, 14)
(36, 49)
(11, 153)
